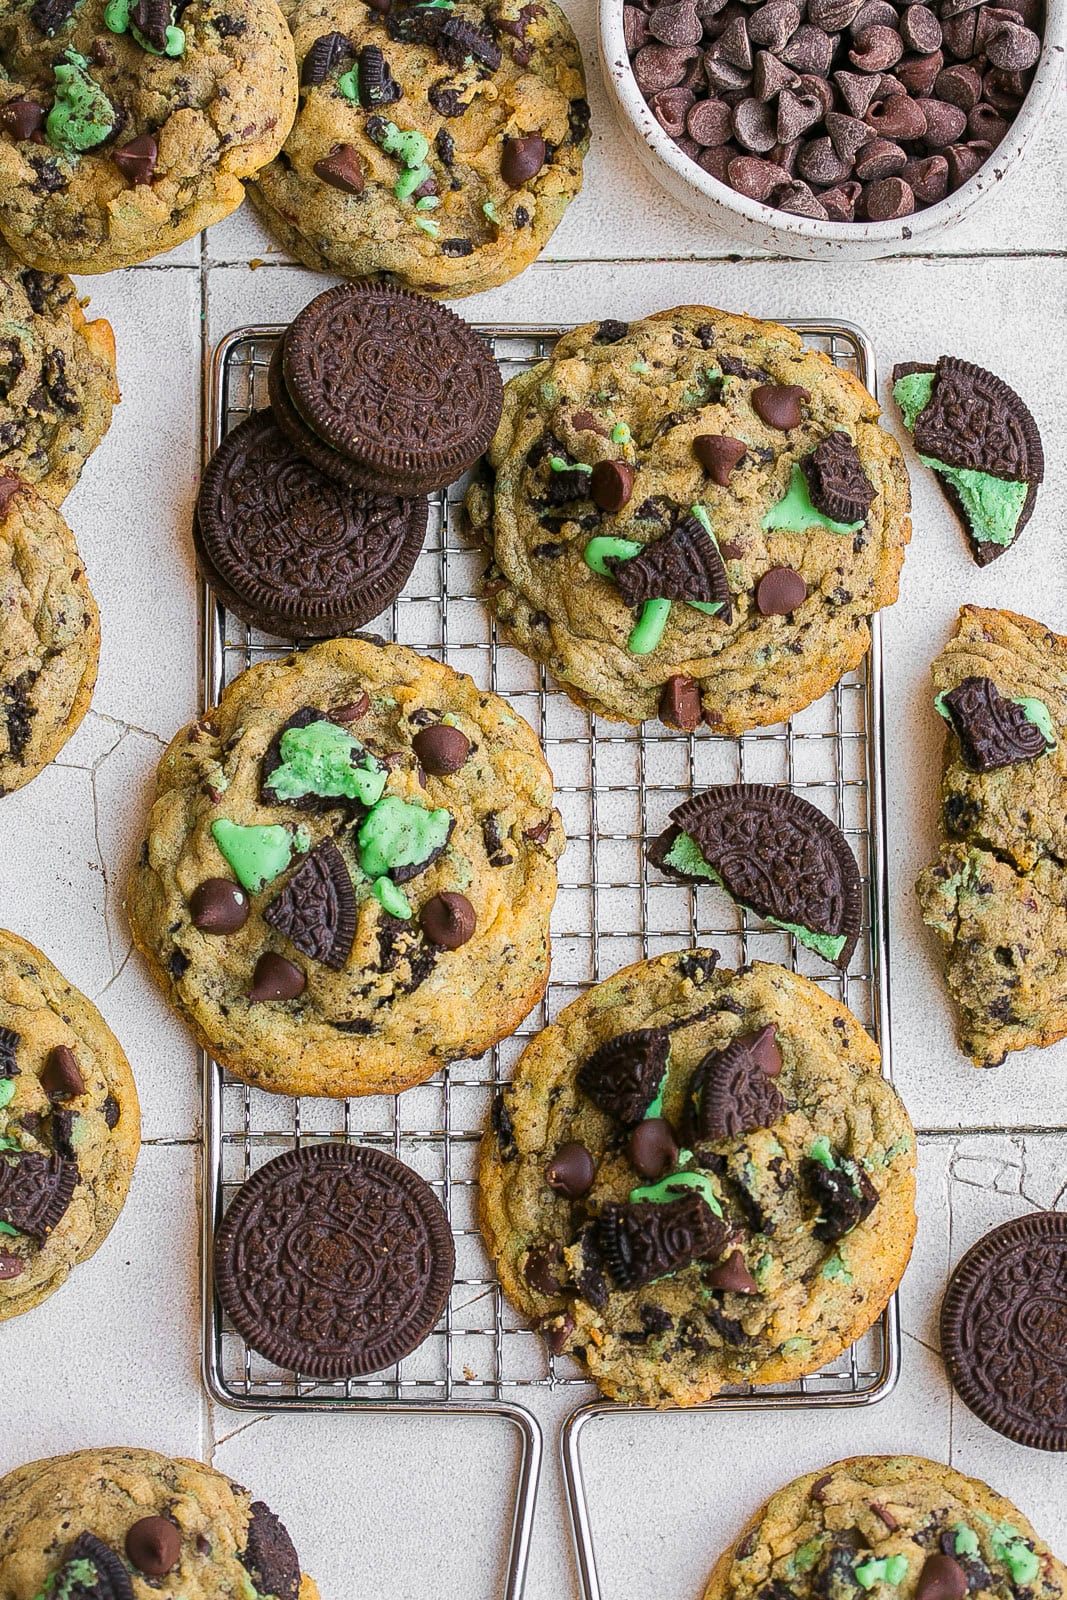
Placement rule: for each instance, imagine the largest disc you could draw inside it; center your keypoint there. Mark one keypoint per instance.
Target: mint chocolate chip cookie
(349, 871)
(699, 1178)
(901, 1526)
(125, 1524)
(49, 634)
(69, 1131)
(437, 144)
(691, 516)
(996, 896)
(981, 441)
(126, 128)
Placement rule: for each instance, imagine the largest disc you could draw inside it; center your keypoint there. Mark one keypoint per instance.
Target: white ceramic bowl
(752, 223)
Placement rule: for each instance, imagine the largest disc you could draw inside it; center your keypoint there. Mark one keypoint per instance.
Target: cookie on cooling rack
(996, 897)
(69, 1128)
(435, 145)
(691, 516)
(126, 129)
(113, 1523)
(349, 871)
(699, 1178)
(897, 1525)
(49, 634)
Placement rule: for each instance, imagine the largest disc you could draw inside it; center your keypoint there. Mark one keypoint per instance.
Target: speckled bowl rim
(717, 202)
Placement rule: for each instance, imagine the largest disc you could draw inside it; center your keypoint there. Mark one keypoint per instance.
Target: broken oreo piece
(837, 483)
(35, 1191)
(110, 1580)
(9, 1042)
(993, 732)
(684, 564)
(645, 1240)
(327, 53)
(731, 1093)
(316, 910)
(774, 853)
(844, 1195)
(269, 1556)
(623, 1076)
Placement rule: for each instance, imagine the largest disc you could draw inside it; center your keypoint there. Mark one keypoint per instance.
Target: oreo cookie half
(334, 1260)
(973, 422)
(399, 384)
(269, 1556)
(774, 853)
(1004, 1330)
(303, 438)
(292, 551)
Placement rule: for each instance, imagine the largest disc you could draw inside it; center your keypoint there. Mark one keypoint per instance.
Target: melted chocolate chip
(571, 1170)
(218, 905)
(275, 978)
(441, 749)
(653, 1147)
(154, 1546)
(448, 920)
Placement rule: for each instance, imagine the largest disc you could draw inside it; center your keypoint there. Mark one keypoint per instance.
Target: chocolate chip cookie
(69, 1129)
(349, 871)
(900, 1525)
(49, 634)
(57, 379)
(126, 126)
(112, 1523)
(691, 516)
(436, 144)
(997, 895)
(699, 1178)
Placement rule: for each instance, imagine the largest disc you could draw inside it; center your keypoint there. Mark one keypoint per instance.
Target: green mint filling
(912, 395)
(966, 1540)
(82, 115)
(791, 1347)
(836, 1269)
(639, 368)
(5, 1227)
(795, 513)
(323, 759)
(348, 85)
(428, 225)
(663, 1192)
(258, 853)
(604, 547)
(620, 433)
(391, 899)
(74, 1575)
(7, 1091)
(396, 834)
(992, 506)
(885, 1569)
(827, 945)
(411, 179)
(941, 708)
(648, 629)
(823, 1154)
(762, 1270)
(1009, 1546)
(408, 145)
(558, 464)
(655, 1106)
(491, 212)
(808, 1555)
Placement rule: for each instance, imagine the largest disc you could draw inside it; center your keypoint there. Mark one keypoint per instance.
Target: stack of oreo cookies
(312, 514)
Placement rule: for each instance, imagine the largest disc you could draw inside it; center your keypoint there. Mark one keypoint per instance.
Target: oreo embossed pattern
(836, 110)
(334, 1260)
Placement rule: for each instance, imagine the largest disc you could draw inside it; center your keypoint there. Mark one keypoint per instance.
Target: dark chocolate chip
(944, 123)
(612, 485)
(732, 1275)
(556, 1331)
(653, 1147)
(679, 702)
(757, 179)
(275, 978)
(341, 169)
(809, 50)
(10, 1266)
(62, 1078)
(780, 591)
(819, 163)
(522, 159)
(754, 125)
(942, 1578)
(154, 1546)
(918, 74)
(920, 29)
(543, 1268)
(571, 1170)
(137, 159)
(898, 116)
(21, 118)
(773, 25)
(719, 454)
(441, 749)
(218, 905)
(928, 178)
(882, 158)
(779, 404)
(839, 203)
(448, 920)
(888, 199)
(709, 122)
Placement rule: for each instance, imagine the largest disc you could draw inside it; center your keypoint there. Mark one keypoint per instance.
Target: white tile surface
(403, 1507)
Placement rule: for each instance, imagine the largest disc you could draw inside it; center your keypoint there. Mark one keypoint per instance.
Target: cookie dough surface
(678, 1340)
(46, 1505)
(398, 1006)
(49, 635)
(95, 1128)
(812, 1536)
(57, 379)
(455, 112)
(216, 113)
(996, 896)
(642, 393)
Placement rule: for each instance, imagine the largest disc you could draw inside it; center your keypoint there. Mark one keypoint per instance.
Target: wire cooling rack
(615, 786)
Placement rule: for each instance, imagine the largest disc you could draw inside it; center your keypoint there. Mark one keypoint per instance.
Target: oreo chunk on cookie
(684, 564)
(269, 1556)
(837, 483)
(841, 1190)
(35, 1191)
(626, 1074)
(993, 731)
(733, 1093)
(316, 910)
(773, 853)
(980, 439)
(643, 1240)
(92, 1571)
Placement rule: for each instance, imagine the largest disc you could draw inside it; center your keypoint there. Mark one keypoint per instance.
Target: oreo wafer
(397, 383)
(292, 551)
(334, 1260)
(303, 438)
(774, 853)
(1004, 1330)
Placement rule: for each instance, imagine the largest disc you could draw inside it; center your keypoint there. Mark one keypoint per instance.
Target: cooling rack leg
(570, 1449)
(532, 1446)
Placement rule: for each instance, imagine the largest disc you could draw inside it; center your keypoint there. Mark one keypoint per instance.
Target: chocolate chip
(522, 159)
(137, 159)
(154, 1546)
(797, 112)
(660, 66)
(441, 749)
(780, 591)
(62, 1077)
(944, 123)
(543, 1269)
(819, 163)
(928, 178)
(448, 920)
(10, 1266)
(635, 28)
(653, 1147)
(873, 14)
(958, 33)
(733, 45)
(275, 978)
(556, 1331)
(799, 200)
(341, 169)
(964, 161)
(876, 49)
(709, 122)
(1004, 90)
(918, 74)
(21, 118)
(774, 24)
(942, 1578)
(612, 485)
(888, 199)
(771, 77)
(717, 162)
(732, 1275)
(754, 126)
(897, 117)
(679, 703)
(960, 86)
(847, 134)
(840, 203)
(352, 711)
(920, 30)
(986, 124)
(571, 1170)
(809, 50)
(779, 404)
(112, 1111)
(856, 91)
(675, 22)
(218, 905)
(719, 454)
(880, 159)
(1013, 48)
(832, 15)
(755, 178)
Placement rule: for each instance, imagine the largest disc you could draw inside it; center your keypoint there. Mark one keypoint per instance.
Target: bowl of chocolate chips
(821, 128)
